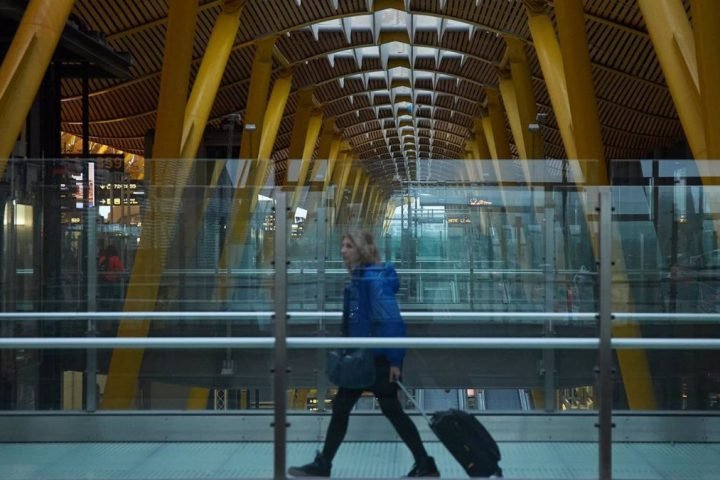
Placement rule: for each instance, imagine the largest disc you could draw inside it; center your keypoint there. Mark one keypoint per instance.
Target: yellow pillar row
(25, 64)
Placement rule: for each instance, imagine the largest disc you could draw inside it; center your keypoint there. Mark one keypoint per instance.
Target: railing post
(321, 379)
(605, 318)
(280, 364)
(550, 268)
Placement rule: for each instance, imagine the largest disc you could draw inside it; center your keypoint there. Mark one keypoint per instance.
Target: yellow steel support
(507, 90)
(257, 102)
(524, 97)
(24, 66)
(165, 198)
(207, 81)
(551, 63)
(327, 137)
(366, 184)
(303, 110)
(202, 98)
(333, 156)
(345, 176)
(633, 364)
(197, 398)
(369, 205)
(706, 18)
(356, 185)
(580, 90)
(245, 197)
(311, 138)
(495, 132)
(672, 37)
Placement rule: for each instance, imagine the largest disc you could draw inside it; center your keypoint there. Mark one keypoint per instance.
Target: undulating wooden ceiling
(453, 51)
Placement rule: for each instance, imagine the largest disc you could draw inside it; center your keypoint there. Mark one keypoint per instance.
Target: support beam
(633, 364)
(359, 174)
(551, 63)
(24, 66)
(706, 18)
(207, 81)
(672, 37)
(570, 17)
(346, 167)
(495, 132)
(169, 181)
(245, 197)
(257, 97)
(311, 139)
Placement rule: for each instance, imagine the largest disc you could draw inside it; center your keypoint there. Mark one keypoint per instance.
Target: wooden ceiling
(636, 110)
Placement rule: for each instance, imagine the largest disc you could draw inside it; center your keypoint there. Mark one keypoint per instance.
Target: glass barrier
(493, 258)
(666, 238)
(95, 238)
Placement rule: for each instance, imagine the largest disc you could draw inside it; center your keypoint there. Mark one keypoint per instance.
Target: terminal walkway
(233, 460)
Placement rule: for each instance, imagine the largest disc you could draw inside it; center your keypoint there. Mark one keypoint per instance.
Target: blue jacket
(371, 310)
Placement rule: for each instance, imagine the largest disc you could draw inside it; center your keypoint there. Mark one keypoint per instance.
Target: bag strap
(414, 402)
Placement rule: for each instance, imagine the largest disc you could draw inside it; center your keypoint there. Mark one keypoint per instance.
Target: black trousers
(387, 395)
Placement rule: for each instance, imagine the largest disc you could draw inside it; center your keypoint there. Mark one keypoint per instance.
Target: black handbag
(351, 368)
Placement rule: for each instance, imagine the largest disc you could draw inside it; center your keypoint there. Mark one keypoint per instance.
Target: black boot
(424, 468)
(320, 467)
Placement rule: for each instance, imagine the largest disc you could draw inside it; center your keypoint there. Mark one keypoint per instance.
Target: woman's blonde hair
(365, 244)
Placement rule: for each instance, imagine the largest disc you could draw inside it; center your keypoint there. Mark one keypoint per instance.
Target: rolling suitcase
(465, 438)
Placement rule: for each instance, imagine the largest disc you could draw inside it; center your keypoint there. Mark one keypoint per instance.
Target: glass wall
(498, 283)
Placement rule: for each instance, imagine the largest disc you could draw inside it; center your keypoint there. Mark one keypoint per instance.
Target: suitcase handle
(414, 402)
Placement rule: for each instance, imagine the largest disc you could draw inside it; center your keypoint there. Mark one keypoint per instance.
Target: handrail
(335, 315)
(513, 343)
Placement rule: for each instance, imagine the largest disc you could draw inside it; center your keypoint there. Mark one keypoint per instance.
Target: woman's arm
(386, 318)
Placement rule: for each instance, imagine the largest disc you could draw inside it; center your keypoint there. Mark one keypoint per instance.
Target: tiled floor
(185, 461)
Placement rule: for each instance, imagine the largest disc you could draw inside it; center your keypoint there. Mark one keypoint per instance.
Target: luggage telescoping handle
(414, 402)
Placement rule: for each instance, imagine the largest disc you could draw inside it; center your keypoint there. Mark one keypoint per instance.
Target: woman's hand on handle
(394, 374)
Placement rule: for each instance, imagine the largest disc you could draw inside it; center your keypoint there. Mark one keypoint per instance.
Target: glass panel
(96, 238)
(667, 238)
(473, 261)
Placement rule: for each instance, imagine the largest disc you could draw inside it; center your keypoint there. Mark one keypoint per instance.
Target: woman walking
(370, 309)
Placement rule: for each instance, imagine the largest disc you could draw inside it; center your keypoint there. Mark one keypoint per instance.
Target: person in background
(110, 274)
(370, 309)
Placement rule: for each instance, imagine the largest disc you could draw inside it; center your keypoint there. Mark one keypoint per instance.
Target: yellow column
(311, 138)
(551, 63)
(496, 134)
(507, 90)
(366, 184)
(165, 197)
(209, 77)
(633, 364)
(245, 197)
(303, 111)
(672, 37)
(706, 19)
(257, 102)
(369, 205)
(342, 183)
(333, 157)
(356, 185)
(524, 96)
(24, 66)
(581, 92)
